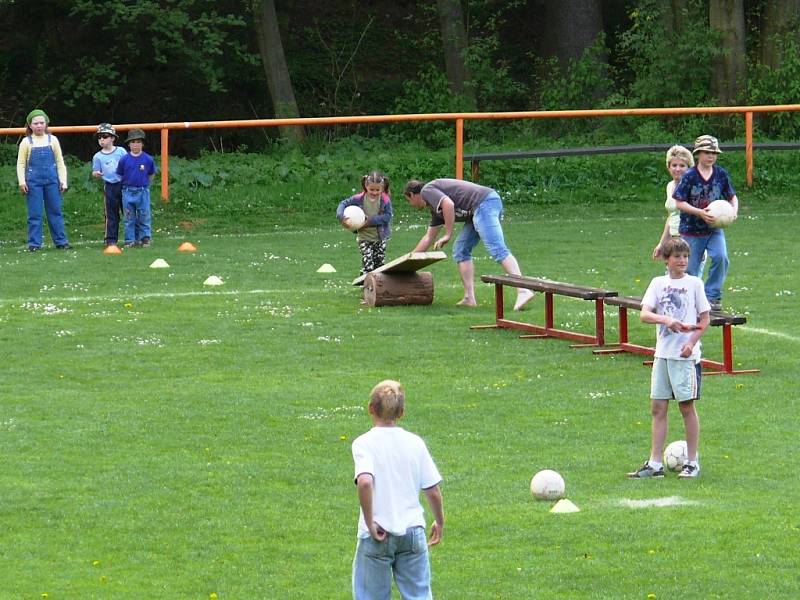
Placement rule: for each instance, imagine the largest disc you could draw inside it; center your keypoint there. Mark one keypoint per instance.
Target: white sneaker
(689, 471)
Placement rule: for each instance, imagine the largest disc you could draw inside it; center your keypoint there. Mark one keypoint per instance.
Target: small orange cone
(187, 247)
(112, 249)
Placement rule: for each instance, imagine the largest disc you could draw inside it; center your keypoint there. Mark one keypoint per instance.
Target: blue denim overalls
(44, 193)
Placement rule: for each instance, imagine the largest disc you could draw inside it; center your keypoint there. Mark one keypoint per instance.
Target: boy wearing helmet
(104, 165)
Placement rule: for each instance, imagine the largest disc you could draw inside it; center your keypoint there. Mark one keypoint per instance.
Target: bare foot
(523, 297)
(466, 302)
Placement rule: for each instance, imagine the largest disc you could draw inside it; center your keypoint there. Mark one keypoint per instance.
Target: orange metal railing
(457, 118)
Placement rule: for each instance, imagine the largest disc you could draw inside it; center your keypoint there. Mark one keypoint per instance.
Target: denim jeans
(136, 206)
(717, 249)
(485, 226)
(405, 555)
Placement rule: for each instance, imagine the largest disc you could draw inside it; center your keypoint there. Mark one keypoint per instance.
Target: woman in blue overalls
(42, 177)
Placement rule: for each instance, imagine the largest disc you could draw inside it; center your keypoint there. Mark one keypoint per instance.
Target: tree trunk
(270, 47)
(780, 17)
(384, 289)
(675, 15)
(727, 17)
(571, 26)
(454, 45)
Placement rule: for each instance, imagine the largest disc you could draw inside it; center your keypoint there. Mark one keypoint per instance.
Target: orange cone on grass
(112, 249)
(187, 247)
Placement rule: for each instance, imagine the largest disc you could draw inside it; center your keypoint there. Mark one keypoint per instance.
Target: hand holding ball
(723, 213)
(354, 218)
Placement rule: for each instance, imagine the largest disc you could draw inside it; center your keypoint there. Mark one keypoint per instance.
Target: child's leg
(129, 216)
(372, 570)
(697, 246)
(718, 253)
(660, 425)
(379, 254)
(366, 257)
(145, 216)
(692, 425)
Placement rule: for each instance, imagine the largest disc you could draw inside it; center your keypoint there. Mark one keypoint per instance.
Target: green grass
(162, 439)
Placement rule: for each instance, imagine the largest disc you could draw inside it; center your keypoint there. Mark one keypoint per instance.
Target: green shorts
(675, 379)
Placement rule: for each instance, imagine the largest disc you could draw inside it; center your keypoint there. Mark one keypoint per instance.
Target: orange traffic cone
(187, 247)
(112, 249)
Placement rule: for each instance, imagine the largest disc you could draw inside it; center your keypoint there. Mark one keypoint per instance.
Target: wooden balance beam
(549, 289)
(717, 319)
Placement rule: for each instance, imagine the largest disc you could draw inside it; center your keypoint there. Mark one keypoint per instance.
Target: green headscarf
(37, 112)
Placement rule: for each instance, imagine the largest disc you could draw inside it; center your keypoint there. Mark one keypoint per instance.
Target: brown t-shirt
(466, 197)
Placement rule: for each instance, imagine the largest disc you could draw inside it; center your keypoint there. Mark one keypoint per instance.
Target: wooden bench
(549, 289)
(475, 159)
(718, 319)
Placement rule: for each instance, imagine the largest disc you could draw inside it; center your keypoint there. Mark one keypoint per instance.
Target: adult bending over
(480, 209)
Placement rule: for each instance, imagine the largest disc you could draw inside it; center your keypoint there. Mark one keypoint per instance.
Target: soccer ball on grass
(675, 455)
(547, 485)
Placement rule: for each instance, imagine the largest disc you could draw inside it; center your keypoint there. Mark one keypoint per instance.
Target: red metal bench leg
(727, 347)
(599, 322)
(498, 301)
(623, 325)
(548, 310)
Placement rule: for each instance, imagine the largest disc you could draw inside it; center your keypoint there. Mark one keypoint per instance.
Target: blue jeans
(717, 250)
(485, 226)
(136, 206)
(405, 555)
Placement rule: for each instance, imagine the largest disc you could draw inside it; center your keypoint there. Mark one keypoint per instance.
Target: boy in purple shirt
(699, 187)
(137, 170)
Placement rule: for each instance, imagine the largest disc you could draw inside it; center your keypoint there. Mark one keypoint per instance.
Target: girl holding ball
(375, 231)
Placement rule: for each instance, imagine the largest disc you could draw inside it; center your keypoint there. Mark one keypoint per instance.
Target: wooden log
(384, 289)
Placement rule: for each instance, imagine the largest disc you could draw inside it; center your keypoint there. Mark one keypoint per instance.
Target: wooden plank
(548, 286)
(408, 263)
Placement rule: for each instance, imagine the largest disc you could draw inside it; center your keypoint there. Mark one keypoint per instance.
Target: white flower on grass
(64, 332)
(44, 309)
(208, 342)
(784, 293)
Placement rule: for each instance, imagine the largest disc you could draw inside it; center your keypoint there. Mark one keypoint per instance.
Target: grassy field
(163, 439)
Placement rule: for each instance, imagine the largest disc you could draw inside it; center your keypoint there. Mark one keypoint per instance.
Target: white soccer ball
(722, 211)
(355, 217)
(547, 485)
(675, 455)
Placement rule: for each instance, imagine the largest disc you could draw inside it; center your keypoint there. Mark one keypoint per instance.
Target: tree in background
(454, 48)
(276, 71)
(779, 22)
(728, 74)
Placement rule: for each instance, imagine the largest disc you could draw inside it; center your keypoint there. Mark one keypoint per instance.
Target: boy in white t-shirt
(392, 466)
(677, 304)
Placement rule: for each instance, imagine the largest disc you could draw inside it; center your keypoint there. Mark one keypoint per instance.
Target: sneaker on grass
(646, 471)
(689, 471)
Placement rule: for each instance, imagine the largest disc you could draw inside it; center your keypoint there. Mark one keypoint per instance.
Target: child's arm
(434, 497)
(383, 218)
(735, 203)
(97, 168)
(61, 167)
(662, 241)
(648, 315)
(364, 483)
(22, 164)
(702, 324)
